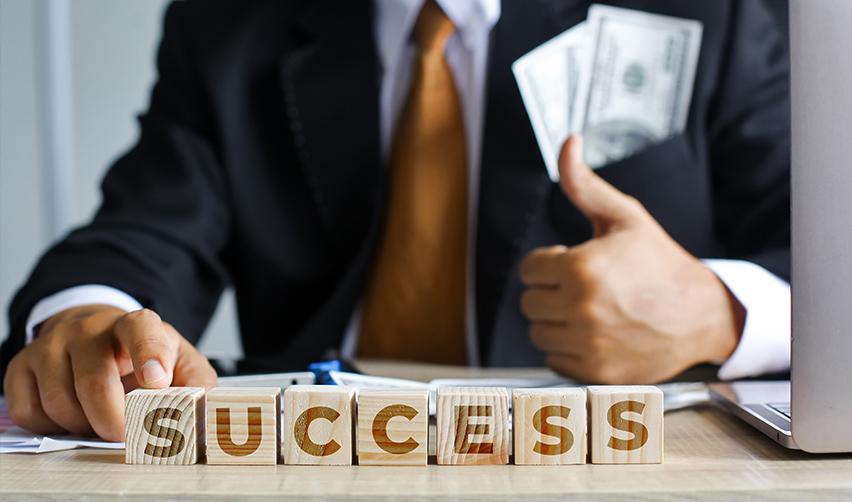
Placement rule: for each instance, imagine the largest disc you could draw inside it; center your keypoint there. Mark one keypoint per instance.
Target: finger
(98, 385)
(23, 401)
(192, 368)
(152, 349)
(544, 305)
(603, 204)
(55, 381)
(555, 339)
(544, 266)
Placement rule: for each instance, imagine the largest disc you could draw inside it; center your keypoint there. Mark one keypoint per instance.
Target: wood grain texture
(472, 426)
(626, 424)
(243, 425)
(318, 425)
(710, 455)
(164, 426)
(549, 426)
(393, 427)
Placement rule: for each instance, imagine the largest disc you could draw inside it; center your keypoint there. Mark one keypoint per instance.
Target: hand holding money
(623, 79)
(630, 305)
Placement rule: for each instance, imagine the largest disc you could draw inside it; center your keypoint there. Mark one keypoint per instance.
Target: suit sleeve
(749, 126)
(161, 230)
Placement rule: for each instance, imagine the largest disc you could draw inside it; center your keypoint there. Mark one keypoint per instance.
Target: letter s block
(164, 426)
(473, 425)
(626, 424)
(318, 425)
(549, 426)
(393, 427)
(242, 425)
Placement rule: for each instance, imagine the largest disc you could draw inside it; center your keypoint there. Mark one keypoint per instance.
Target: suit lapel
(330, 81)
(513, 179)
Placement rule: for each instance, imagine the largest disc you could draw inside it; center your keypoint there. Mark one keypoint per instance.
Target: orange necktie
(414, 308)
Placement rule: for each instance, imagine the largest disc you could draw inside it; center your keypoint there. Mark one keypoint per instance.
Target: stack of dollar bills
(622, 78)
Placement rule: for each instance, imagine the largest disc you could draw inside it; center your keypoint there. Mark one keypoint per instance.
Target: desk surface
(708, 455)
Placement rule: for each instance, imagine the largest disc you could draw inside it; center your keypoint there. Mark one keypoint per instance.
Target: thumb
(603, 204)
(152, 349)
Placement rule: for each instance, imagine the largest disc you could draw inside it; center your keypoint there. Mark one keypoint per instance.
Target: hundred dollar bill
(548, 78)
(639, 88)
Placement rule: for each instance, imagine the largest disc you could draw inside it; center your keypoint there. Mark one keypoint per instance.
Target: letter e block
(473, 425)
(626, 424)
(164, 426)
(318, 425)
(242, 425)
(549, 426)
(393, 427)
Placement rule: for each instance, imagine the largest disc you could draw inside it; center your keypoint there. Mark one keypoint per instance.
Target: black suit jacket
(258, 166)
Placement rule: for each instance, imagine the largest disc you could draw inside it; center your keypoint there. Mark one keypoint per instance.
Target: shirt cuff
(764, 345)
(89, 294)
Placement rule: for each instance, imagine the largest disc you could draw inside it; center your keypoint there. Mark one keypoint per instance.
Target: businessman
(364, 175)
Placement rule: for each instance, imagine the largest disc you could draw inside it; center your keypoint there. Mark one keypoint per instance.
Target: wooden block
(164, 426)
(318, 425)
(473, 425)
(393, 427)
(242, 425)
(626, 424)
(549, 426)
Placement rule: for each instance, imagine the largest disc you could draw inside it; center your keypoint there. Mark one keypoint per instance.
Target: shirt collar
(394, 21)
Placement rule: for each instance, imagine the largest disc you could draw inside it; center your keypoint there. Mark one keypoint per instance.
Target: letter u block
(549, 426)
(164, 426)
(626, 424)
(318, 425)
(242, 425)
(473, 425)
(393, 427)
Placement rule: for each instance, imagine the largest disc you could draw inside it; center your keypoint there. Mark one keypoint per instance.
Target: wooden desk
(709, 455)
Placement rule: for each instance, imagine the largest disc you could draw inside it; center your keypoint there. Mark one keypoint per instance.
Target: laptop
(813, 411)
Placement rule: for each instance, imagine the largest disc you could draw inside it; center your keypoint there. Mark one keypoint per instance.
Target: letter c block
(164, 426)
(393, 427)
(318, 425)
(242, 425)
(626, 424)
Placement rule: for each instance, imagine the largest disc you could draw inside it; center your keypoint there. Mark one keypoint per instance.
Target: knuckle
(59, 402)
(21, 412)
(138, 316)
(92, 386)
(597, 345)
(589, 313)
(88, 325)
(634, 203)
(580, 267)
(18, 363)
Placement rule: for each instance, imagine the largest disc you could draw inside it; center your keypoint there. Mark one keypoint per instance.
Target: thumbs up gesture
(630, 305)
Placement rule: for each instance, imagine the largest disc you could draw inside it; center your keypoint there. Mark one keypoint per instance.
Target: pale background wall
(111, 45)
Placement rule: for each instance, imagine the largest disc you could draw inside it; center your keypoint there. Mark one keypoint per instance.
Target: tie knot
(433, 28)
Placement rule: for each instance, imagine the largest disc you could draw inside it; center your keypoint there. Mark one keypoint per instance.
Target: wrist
(723, 334)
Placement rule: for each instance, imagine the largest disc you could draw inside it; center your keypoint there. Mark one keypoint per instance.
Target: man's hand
(74, 375)
(630, 305)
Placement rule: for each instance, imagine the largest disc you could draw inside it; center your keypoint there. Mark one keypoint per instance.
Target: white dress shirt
(765, 342)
